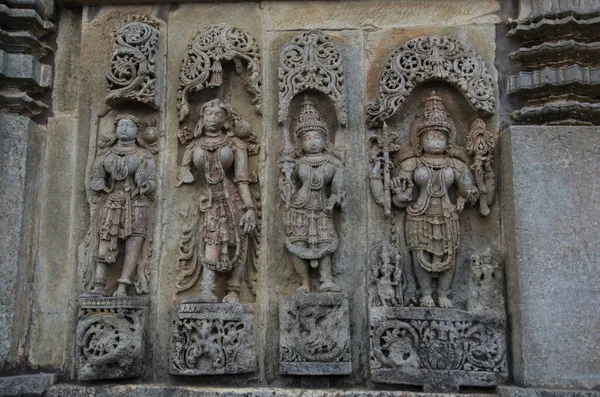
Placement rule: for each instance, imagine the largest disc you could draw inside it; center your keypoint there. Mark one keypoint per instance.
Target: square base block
(315, 334)
(110, 337)
(212, 339)
(439, 349)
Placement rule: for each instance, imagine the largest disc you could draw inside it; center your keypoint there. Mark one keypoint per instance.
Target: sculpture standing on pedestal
(311, 186)
(422, 186)
(124, 174)
(227, 214)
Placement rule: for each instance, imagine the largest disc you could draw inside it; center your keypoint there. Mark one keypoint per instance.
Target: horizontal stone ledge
(137, 390)
(553, 77)
(24, 71)
(16, 18)
(558, 52)
(18, 101)
(511, 391)
(43, 7)
(26, 385)
(23, 42)
(544, 26)
(564, 113)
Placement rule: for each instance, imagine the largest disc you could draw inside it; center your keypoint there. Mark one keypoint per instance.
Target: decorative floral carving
(481, 144)
(110, 338)
(212, 339)
(429, 58)
(386, 279)
(132, 73)
(311, 61)
(202, 65)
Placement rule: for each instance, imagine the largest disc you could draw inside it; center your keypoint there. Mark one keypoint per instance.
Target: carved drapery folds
(429, 58)
(132, 73)
(202, 66)
(311, 61)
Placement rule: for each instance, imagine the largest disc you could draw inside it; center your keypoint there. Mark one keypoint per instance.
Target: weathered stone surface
(551, 204)
(24, 70)
(509, 391)
(110, 337)
(212, 339)
(440, 349)
(26, 385)
(314, 334)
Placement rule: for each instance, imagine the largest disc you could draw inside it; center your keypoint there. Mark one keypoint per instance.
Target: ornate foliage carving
(132, 73)
(311, 61)
(315, 334)
(481, 144)
(437, 348)
(110, 337)
(429, 58)
(212, 339)
(386, 279)
(202, 65)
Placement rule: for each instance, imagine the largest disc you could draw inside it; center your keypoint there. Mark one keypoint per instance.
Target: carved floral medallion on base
(314, 334)
(110, 337)
(440, 349)
(212, 339)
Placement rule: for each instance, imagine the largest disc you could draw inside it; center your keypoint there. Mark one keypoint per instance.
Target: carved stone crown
(433, 116)
(310, 119)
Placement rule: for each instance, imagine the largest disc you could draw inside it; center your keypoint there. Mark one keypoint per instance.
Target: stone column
(550, 200)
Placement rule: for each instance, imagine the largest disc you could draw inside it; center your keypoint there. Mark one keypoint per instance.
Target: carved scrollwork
(311, 61)
(202, 66)
(132, 73)
(430, 58)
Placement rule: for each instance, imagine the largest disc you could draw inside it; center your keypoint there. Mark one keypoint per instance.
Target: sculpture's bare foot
(231, 297)
(121, 291)
(303, 289)
(445, 302)
(426, 301)
(329, 286)
(96, 290)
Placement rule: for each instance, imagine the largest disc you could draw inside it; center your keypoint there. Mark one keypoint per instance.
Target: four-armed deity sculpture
(311, 186)
(422, 185)
(124, 176)
(226, 213)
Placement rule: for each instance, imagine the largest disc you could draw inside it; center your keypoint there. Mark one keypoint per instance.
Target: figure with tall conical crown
(421, 185)
(311, 187)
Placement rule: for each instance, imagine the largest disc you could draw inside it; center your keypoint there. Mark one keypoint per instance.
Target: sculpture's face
(126, 130)
(313, 142)
(387, 270)
(434, 142)
(214, 118)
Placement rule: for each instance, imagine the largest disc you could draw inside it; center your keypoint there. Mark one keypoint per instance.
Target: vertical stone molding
(110, 337)
(212, 339)
(560, 80)
(314, 334)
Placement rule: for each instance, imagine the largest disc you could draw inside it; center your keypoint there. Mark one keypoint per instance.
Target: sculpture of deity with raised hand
(422, 185)
(124, 174)
(227, 213)
(311, 186)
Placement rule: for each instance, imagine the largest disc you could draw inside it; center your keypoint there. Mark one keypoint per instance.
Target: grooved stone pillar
(551, 225)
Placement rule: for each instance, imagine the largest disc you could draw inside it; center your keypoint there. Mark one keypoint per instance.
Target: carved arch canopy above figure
(432, 58)
(202, 68)
(311, 61)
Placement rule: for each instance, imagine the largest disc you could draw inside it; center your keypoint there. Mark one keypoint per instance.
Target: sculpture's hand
(248, 222)
(185, 176)
(472, 194)
(403, 188)
(97, 184)
(147, 187)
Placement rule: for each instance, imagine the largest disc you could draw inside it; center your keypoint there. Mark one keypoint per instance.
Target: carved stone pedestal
(314, 334)
(212, 339)
(110, 337)
(440, 349)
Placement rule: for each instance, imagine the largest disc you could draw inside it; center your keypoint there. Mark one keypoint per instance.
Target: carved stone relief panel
(132, 73)
(314, 334)
(110, 337)
(438, 348)
(212, 339)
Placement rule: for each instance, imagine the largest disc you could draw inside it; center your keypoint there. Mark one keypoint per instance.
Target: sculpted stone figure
(226, 210)
(422, 185)
(386, 278)
(124, 175)
(311, 186)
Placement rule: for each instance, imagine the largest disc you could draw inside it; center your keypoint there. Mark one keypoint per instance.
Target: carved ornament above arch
(432, 58)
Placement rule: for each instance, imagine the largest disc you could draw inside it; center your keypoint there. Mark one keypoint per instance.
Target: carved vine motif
(386, 280)
(311, 61)
(202, 65)
(481, 144)
(132, 73)
(429, 58)
(110, 338)
(438, 345)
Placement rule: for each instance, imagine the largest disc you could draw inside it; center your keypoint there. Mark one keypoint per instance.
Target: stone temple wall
(299, 197)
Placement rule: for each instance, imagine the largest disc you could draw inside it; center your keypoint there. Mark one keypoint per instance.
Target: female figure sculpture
(228, 213)
(311, 187)
(125, 175)
(421, 185)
